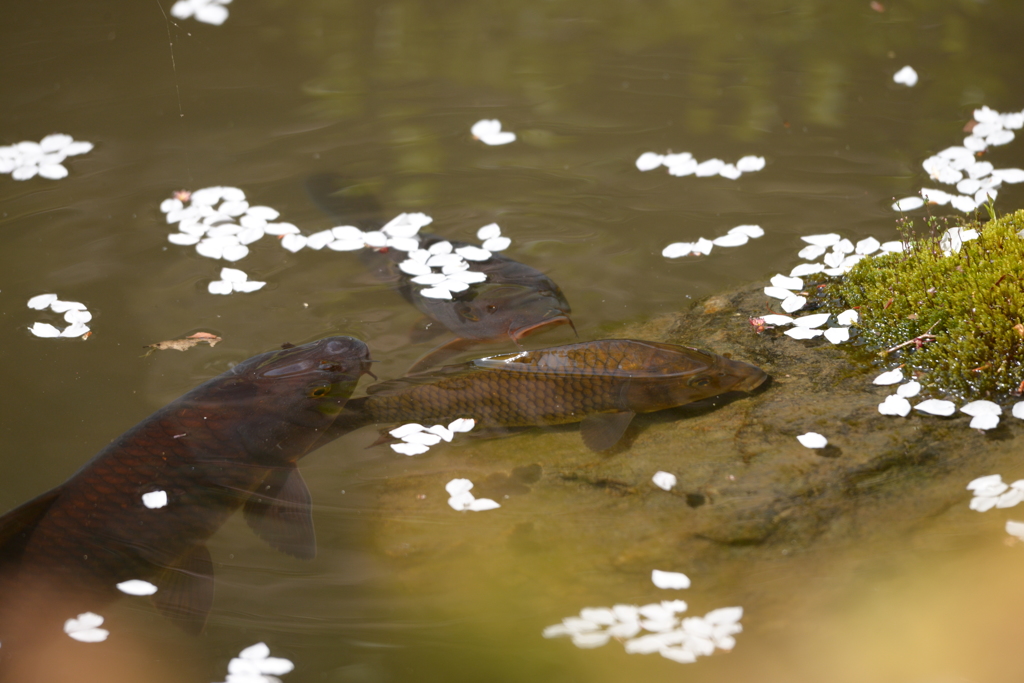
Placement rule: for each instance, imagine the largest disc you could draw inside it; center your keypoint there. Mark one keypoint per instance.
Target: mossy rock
(970, 304)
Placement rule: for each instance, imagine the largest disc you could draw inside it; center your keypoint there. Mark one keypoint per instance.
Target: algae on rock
(964, 307)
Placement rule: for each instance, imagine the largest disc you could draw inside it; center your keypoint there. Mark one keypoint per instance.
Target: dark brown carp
(144, 506)
(514, 301)
(601, 384)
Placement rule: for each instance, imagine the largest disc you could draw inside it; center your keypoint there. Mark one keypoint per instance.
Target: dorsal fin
(17, 525)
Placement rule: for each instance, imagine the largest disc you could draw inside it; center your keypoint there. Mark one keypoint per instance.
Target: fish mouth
(752, 382)
(558, 319)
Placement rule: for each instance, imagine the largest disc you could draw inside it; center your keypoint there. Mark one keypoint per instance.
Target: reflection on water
(387, 93)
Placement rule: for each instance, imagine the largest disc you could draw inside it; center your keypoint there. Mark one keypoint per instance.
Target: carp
(600, 384)
(144, 506)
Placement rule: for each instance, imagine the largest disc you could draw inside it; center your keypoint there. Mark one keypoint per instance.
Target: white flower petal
(708, 168)
(649, 161)
(346, 245)
(182, 239)
(803, 333)
(837, 335)
(811, 252)
(136, 587)
(409, 448)
(1015, 528)
(826, 240)
(730, 172)
(255, 652)
(436, 293)
(908, 204)
(906, 76)
(751, 231)
(976, 408)
(894, 405)
(293, 243)
(909, 390)
(812, 321)
(462, 424)
(986, 421)
(219, 287)
(894, 376)
(347, 232)
(868, 245)
(53, 171)
(247, 286)
(1018, 410)
(669, 580)
(442, 431)
(283, 229)
(812, 440)
(806, 269)
(472, 253)
(44, 330)
(703, 246)
(936, 407)
(848, 317)
(318, 240)
(76, 315)
(235, 252)
(793, 304)
(776, 319)
(664, 480)
(749, 164)
(485, 128)
(502, 138)
(677, 249)
(211, 14)
(55, 142)
(496, 244)
(482, 504)
(778, 292)
(423, 438)
(154, 499)
(41, 301)
(375, 238)
(730, 240)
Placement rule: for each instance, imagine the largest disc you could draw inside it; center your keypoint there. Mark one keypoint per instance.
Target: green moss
(970, 301)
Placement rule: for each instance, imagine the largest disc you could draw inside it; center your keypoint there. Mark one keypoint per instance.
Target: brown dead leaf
(1019, 327)
(183, 344)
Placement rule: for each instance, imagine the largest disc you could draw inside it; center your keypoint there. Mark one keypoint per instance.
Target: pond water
(385, 94)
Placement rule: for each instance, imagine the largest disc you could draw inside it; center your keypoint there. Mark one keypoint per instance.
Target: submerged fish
(514, 301)
(145, 505)
(601, 384)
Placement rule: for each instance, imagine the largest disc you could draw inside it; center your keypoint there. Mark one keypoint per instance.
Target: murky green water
(404, 588)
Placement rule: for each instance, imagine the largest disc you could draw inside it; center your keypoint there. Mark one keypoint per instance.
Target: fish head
(493, 312)
(286, 398)
(668, 375)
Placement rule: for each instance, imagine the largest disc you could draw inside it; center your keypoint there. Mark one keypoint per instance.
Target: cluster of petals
(804, 327)
(840, 254)
(984, 414)
(255, 665)
(655, 627)
(906, 76)
(462, 498)
(992, 492)
(489, 132)
(442, 269)
(977, 182)
(85, 628)
(415, 438)
(75, 314)
(221, 223)
(665, 481)
(45, 158)
(736, 237)
(684, 164)
(233, 280)
(207, 11)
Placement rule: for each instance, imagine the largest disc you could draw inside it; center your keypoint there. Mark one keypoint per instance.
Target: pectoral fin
(279, 512)
(185, 590)
(601, 431)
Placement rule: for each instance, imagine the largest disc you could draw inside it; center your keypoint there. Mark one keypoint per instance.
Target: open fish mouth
(555, 321)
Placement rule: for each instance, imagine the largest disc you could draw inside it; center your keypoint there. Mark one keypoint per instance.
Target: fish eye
(320, 391)
(491, 308)
(699, 382)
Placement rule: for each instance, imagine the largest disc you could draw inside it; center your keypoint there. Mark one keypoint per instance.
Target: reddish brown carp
(601, 384)
(514, 301)
(144, 506)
